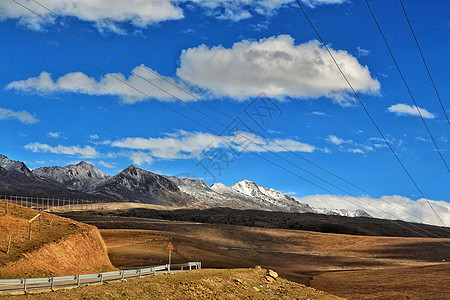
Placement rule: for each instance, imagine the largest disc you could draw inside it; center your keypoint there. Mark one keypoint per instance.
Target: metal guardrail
(76, 280)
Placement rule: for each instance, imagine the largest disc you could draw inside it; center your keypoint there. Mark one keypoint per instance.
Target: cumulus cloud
(84, 152)
(387, 207)
(409, 110)
(22, 116)
(276, 67)
(105, 14)
(187, 145)
(78, 82)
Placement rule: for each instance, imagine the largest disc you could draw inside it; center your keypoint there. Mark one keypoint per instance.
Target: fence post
(9, 245)
(78, 280)
(53, 283)
(25, 285)
(154, 271)
(29, 231)
(40, 219)
(140, 273)
(101, 277)
(123, 275)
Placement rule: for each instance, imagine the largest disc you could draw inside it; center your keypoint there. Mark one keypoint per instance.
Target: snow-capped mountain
(11, 165)
(220, 195)
(342, 212)
(80, 177)
(270, 196)
(138, 185)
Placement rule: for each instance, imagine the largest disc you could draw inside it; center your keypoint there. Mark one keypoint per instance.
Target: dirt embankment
(59, 247)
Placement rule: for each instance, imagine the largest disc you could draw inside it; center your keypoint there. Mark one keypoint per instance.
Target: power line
(425, 63)
(406, 85)
(367, 112)
(223, 137)
(206, 114)
(204, 102)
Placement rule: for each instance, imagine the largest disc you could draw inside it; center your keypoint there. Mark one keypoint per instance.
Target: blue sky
(242, 58)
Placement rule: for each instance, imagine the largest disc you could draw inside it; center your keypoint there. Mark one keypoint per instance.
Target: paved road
(64, 284)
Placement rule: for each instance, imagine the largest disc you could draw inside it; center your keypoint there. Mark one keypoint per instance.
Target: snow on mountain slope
(342, 212)
(210, 197)
(220, 195)
(11, 165)
(138, 185)
(269, 197)
(80, 177)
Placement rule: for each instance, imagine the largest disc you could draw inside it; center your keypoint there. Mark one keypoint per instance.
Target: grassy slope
(27, 258)
(199, 284)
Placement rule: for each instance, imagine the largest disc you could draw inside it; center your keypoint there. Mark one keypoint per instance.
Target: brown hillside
(60, 247)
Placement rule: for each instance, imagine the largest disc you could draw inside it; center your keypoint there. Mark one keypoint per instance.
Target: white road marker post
(170, 248)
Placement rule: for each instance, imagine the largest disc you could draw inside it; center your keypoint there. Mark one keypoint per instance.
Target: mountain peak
(11, 165)
(75, 177)
(84, 164)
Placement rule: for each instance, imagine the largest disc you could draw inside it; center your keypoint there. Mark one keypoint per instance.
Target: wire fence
(51, 204)
(27, 284)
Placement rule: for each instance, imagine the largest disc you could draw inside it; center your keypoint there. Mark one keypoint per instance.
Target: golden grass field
(354, 267)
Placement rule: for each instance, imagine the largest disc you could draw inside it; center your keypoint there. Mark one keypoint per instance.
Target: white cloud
(106, 165)
(356, 150)
(276, 67)
(388, 207)
(319, 113)
(186, 145)
(22, 116)
(236, 10)
(54, 135)
(407, 110)
(140, 158)
(94, 137)
(314, 3)
(362, 51)
(84, 152)
(112, 14)
(337, 141)
(105, 14)
(78, 82)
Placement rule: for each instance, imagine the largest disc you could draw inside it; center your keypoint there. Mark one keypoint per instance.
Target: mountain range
(138, 185)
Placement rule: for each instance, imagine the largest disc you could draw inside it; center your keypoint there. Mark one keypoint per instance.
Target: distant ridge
(134, 184)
